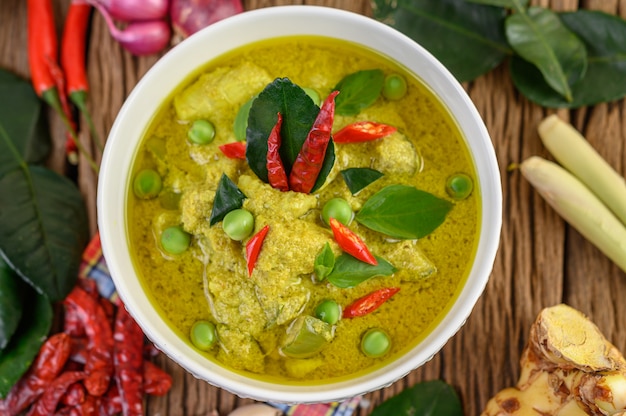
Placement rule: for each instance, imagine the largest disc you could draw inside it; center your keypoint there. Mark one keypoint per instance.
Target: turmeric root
(568, 368)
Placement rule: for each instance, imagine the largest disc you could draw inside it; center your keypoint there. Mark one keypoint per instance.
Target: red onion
(189, 16)
(134, 10)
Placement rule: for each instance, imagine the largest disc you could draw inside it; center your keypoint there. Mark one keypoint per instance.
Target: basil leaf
(539, 37)
(428, 398)
(403, 212)
(358, 91)
(11, 292)
(358, 178)
(349, 271)
(227, 198)
(604, 36)
(324, 262)
(467, 38)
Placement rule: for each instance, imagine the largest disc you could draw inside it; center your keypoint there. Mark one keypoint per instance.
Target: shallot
(134, 10)
(189, 16)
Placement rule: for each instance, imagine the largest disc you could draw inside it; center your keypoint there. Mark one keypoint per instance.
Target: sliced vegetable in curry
(308, 257)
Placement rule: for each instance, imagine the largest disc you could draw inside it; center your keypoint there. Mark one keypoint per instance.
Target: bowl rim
(154, 87)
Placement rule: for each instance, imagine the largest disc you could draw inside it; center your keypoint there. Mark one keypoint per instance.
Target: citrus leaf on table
(21, 117)
(43, 228)
(604, 36)
(509, 4)
(429, 398)
(540, 38)
(467, 38)
(33, 328)
(11, 290)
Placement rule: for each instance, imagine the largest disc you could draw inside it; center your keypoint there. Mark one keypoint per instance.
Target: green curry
(255, 315)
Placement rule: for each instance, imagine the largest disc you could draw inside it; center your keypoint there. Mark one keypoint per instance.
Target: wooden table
(541, 261)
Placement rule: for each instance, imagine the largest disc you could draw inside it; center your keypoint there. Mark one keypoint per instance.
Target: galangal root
(568, 368)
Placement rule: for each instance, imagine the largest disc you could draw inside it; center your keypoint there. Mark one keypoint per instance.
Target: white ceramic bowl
(221, 37)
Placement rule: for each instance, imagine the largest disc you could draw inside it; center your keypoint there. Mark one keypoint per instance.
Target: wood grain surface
(541, 260)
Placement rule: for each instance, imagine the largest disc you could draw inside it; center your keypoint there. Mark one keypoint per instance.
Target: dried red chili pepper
(74, 395)
(49, 400)
(363, 131)
(234, 150)
(156, 381)
(253, 248)
(310, 159)
(351, 243)
(79, 349)
(370, 302)
(99, 362)
(128, 338)
(276, 174)
(111, 403)
(50, 360)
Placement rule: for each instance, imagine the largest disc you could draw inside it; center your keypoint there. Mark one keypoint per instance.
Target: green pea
(238, 224)
(394, 87)
(203, 335)
(175, 240)
(375, 343)
(459, 186)
(314, 95)
(328, 311)
(339, 209)
(147, 184)
(201, 132)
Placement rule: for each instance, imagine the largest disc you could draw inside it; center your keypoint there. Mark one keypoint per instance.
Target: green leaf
(22, 120)
(429, 398)
(324, 262)
(240, 124)
(349, 271)
(227, 198)
(11, 291)
(604, 36)
(358, 178)
(518, 5)
(467, 38)
(33, 328)
(43, 228)
(542, 39)
(403, 212)
(358, 91)
(298, 111)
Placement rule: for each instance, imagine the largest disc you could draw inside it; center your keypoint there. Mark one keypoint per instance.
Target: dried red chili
(128, 338)
(363, 131)
(351, 243)
(155, 381)
(310, 159)
(253, 248)
(276, 174)
(49, 400)
(234, 150)
(370, 302)
(74, 395)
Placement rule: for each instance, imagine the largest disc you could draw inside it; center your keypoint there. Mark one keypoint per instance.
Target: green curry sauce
(210, 282)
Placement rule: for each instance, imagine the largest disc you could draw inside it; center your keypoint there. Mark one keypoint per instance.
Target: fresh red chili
(155, 381)
(351, 243)
(310, 159)
(276, 174)
(49, 400)
(253, 248)
(129, 362)
(363, 131)
(50, 360)
(234, 150)
(370, 302)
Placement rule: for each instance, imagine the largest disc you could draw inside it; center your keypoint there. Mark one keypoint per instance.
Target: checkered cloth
(94, 267)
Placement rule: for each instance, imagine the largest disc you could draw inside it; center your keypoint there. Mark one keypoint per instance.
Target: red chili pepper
(234, 150)
(50, 360)
(128, 338)
(310, 159)
(276, 174)
(370, 302)
(155, 381)
(49, 400)
(74, 395)
(351, 243)
(111, 403)
(253, 247)
(363, 131)
(99, 362)
(90, 407)
(79, 349)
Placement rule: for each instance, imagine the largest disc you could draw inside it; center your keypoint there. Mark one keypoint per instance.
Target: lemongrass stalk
(578, 206)
(575, 154)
